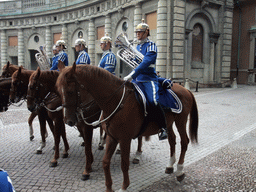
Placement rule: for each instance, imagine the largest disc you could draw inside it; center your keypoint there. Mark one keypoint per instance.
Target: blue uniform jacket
(55, 62)
(108, 61)
(83, 58)
(63, 57)
(146, 69)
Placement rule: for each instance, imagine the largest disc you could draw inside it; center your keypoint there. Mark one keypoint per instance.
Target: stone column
(137, 16)
(108, 25)
(21, 48)
(65, 33)
(227, 42)
(91, 41)
(178, 40)
(48, 41)
(162, 37)
(3, 48)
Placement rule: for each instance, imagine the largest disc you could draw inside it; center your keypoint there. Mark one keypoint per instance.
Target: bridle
(79, 106)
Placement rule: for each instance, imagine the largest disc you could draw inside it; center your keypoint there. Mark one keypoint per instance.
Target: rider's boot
(163, 131)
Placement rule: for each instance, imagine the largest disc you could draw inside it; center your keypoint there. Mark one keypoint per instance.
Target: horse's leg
(110, 149)
(42, 123)
(57, 133)
(181, 126)
(118, 150)
(64, 138)
(102, 139)
(88, 133)
(30, 120)
(172, 143)
(125, 146)
(136, 159)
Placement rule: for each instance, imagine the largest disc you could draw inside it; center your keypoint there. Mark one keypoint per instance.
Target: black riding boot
(162, 122)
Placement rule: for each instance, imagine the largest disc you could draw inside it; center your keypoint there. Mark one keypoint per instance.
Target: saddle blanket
(167, 98)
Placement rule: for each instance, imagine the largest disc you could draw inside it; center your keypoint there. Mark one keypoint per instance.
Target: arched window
(197, 43)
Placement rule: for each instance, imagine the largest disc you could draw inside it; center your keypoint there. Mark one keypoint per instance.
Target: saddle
(168, 100)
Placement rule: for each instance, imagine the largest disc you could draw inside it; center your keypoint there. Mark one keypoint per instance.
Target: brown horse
(5, 85)
(41, 94)
(19, 87)
(8, 71)
(123, 115)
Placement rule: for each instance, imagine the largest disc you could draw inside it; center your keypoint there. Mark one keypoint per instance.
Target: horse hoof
(31, 138)
(85, 177)
(118, 151)
(169, 170)
(135, 161)
(181, 177)
(53, 164)
(65, 155)
(39, 152)
(100, 148)
(82, 144)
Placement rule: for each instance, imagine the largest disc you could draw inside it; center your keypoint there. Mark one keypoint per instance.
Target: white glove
(128, 77)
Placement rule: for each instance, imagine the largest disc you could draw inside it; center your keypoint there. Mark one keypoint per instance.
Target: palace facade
(194, 37)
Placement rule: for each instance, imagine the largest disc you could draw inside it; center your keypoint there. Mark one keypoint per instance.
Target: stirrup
(162, 134)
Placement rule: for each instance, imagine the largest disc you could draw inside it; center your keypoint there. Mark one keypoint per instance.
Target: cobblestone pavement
(224, 159)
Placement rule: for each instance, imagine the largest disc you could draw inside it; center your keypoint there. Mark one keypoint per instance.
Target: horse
(5, 85)
(41, 95)
(8, 71)
(18, 91)
(123, 116)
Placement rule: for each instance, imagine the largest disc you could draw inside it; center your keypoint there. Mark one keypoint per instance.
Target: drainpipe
(239, 37)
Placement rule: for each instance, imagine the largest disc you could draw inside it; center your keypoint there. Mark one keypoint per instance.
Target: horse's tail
(193, 124)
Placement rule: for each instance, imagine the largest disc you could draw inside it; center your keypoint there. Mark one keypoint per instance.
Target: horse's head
(5, 85)
(70, 90)
(34, 90)
(18, 88)
(8, 70)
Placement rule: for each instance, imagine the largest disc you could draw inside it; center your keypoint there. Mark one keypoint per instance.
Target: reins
(96, 123)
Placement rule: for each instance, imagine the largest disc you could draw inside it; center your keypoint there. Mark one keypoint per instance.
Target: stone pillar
(3, 48)
(91, 41)
(162, 37)
(48, 41)
(65, 33)
(178, 41)
(227, 43)
(137, 17)
(108, 25)
(21, 48)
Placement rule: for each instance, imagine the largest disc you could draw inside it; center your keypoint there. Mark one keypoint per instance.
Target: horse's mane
(47, 75)
(89, 71)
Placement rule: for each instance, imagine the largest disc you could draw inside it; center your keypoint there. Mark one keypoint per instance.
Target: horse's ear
(61, 65)
(19, 70)
(74, 67)
(8, 64)
(38, 71)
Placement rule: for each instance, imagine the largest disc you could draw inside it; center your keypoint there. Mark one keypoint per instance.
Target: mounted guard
(108, 59)
(61, 45)
(83, 57)
(143, 60)
(55, 58)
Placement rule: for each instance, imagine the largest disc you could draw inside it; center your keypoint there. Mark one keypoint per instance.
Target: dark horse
(7, 72)
(19, 87)
(5, 85)
(123, 115)
(41, 95)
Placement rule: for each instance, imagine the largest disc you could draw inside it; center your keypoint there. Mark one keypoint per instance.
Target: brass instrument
(42, 59)
(127, 52)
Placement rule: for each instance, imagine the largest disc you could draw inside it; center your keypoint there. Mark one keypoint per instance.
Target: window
(100, 32)
(56, 37)
(255, 54)
(197, 43)
(13, 41)
(151, 20)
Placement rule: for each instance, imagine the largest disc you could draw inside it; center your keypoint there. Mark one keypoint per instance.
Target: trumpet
(129, 54)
